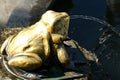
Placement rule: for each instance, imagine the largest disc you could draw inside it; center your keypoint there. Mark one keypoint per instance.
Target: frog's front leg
(64, 58)
(62, 54)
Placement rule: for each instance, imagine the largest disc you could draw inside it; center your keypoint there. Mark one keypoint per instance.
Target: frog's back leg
(5, 45)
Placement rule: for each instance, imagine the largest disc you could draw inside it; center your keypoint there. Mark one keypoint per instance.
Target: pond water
(88, 32)
(88, 26)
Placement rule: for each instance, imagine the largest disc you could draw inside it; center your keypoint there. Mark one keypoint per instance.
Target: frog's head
(56, 22)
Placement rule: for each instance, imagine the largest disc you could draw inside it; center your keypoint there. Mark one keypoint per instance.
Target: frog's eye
(26, 47)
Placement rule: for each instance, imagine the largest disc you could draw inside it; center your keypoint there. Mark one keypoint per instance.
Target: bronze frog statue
(31, 47)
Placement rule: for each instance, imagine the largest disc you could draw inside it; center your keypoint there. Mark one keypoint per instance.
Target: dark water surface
(97, 37)
(88, 31)
(89, 34)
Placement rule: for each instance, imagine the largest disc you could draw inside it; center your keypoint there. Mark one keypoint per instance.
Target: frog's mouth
(27, 61)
